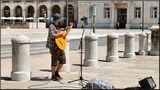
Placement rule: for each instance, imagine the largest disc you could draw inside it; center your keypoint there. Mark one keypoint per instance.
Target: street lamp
(142, 15)
(37, 14)
(0, 15)
(93, 15)
(159, 15)
(66, 12)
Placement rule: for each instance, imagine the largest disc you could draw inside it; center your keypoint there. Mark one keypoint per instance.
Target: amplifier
(147, 83)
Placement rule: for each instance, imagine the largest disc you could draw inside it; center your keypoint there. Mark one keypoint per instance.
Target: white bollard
(155, 38)
(129, 50)
(66, 67)
(20, 58)
(148, 42)
(91, 50)
(112, 48)
(143, 44)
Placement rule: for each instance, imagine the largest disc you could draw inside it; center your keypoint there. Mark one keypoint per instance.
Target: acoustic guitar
(62, 40)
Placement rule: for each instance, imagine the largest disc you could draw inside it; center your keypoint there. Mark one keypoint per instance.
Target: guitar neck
(67, 32)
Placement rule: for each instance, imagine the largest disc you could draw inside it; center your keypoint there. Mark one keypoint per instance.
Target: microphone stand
(81, 47)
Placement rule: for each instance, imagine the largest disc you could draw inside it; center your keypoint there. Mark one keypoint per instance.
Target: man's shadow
(32, 78)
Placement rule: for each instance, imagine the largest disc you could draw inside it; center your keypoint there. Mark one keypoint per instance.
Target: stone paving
(122, 74)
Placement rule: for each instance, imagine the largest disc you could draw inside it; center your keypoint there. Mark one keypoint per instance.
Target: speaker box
(147, 83)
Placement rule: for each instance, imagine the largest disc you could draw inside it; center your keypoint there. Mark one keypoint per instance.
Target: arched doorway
(55, 9)
(70, 13)
(42, 11)
(6, 11)
(18, 11)
(30, 11)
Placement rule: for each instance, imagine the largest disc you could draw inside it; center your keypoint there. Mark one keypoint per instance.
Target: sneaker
(54, 78)
(57, 75)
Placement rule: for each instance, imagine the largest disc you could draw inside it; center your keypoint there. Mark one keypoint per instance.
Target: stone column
(112, 48)
(66, 67)
(49, 12)
(20, 58)
(49, 9)
(112, 25)
(129, 51)
(36, 10)
(35, 15)
(155, 38)
(24, 15)
(143, 44)
(12, 12)
(129, 11)
(2, 11)
(91, 50)
(62, 11)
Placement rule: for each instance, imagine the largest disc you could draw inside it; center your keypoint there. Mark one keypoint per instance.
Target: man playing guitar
(55, 35)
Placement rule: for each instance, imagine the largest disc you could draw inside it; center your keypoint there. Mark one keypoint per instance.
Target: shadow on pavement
(32, 78)
(54, 87)
(102, 60)
(120, 51)
(45, 70)
(79, 65)
(6, 78)
(133, 88)
(40, 79)
(121, 57)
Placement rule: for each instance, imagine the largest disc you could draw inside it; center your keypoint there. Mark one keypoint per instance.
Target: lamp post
(159, 15)
(142, 15)
(37, 14)
(0, 15)
(67, 12)
(94, 15)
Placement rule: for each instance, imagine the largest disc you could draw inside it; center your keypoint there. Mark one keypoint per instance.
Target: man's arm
(54, 32)
(68, 29)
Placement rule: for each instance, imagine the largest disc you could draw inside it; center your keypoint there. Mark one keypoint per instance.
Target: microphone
(85, 20)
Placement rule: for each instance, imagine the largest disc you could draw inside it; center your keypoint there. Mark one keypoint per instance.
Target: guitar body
(61, 42)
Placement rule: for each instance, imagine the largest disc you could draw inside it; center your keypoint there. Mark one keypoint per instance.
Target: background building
(127, 12)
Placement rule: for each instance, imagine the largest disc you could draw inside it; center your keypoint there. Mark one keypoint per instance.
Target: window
(106, 12)
(17, 1)
(6, 11)
(137, 12)
(29, 0)
(42, 0)
(153, 12)
(5, 1)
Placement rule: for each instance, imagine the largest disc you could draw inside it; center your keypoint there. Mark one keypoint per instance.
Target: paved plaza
(122, 74)
(41, 34)
(121, 52)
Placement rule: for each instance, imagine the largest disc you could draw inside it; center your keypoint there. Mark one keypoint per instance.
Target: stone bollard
(91, 50)
(129, 45)
(112, 48)
(148, 42)
(66, 67)
(143, 44)
(20, 58)
(155, 38)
